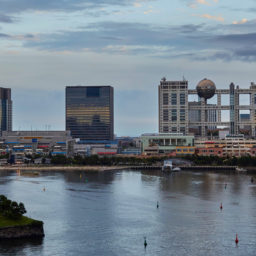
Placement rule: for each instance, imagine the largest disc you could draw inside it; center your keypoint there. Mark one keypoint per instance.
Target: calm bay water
(110, 213)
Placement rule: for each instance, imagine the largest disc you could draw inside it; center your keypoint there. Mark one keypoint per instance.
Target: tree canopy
(11, 209)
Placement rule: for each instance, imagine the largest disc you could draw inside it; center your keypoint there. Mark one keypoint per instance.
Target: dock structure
(194, 168)
(145, 167)
(209, 168)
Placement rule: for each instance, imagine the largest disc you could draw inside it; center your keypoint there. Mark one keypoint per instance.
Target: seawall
(34, 230)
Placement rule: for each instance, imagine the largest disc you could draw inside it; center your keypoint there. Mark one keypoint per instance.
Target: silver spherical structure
(206, 89)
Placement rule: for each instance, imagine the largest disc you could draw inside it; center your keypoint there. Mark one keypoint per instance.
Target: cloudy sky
(46, 45)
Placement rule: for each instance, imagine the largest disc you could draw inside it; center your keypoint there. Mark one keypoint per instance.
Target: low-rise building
(94, 147)
(165, 143)
(129, 145)
(230, 146)
(185, 150)
(209, 151)
(22, 143)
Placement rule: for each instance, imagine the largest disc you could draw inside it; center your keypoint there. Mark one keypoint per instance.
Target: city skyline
(47, 45)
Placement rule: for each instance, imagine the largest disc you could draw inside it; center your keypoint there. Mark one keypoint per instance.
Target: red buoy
(221, 206)
(236, 239)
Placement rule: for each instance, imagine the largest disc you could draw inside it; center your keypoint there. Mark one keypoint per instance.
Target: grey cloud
(16, 6)
(100, 35)
(190, 41)
(2, 35)
(6, 19)
(248, 38)
(29, 36)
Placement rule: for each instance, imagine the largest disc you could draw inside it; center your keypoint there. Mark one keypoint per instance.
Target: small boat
(176, 169)
(168, 167)
(238, 169)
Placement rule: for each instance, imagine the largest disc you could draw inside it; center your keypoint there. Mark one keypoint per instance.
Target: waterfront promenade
(60, 168)
(122, 167)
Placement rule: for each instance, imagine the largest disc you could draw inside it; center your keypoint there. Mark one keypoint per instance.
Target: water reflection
(109, 213)
(21, 247)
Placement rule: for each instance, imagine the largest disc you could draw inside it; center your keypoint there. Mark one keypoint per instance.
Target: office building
(90, 112)
(173, 106)
(5, 110)
(176, 113)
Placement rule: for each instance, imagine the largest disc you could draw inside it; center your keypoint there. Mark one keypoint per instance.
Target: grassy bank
(7, 222)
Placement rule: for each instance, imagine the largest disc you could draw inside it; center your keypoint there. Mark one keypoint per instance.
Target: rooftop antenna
(184, 79)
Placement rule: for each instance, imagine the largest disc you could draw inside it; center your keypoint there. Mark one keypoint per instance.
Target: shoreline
(63, 168)
(100, 168)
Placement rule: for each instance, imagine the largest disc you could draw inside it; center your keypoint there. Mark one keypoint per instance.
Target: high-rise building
(173, 106)
(90, 112)
(178, 114)
(5, 109)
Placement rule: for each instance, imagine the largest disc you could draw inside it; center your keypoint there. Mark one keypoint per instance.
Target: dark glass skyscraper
(90, 112)
(5, 109)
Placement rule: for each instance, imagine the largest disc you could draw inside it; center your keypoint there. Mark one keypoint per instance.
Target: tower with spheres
(206, 89)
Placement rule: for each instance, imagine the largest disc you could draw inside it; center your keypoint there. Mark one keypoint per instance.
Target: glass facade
(174, 115)
(174, 99)
(90, 112)
(166, 115)
(5, 110)
(182, 99)
(165, 99)
(182, 115)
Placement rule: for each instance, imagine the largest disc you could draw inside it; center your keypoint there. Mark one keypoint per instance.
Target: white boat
(176, 169)
(240, 169)
(168, 167)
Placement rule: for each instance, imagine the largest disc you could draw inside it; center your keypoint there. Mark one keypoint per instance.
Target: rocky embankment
(33, 230)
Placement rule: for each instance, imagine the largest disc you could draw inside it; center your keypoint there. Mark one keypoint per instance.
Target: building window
(254, 98)
(181, 142)
(174, 115)
(165, 115)
(165, 129)
(174, 98)
(182, 130)
(93, 92)
(165, 99)
(174, 129)
(182, 115)
(182, 99)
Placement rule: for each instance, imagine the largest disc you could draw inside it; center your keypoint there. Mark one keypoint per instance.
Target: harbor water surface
(110, 213)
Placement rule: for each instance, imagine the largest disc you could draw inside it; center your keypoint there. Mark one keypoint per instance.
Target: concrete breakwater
(34, 230)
